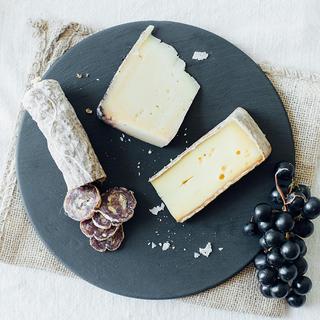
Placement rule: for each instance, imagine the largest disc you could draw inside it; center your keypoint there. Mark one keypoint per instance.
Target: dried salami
(80, 203)
(110, 244)
(118, 204)
(100, 220)
(103, 234)
(87, 228)
(67, 140)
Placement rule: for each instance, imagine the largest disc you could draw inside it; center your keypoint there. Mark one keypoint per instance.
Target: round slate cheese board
(140, 268)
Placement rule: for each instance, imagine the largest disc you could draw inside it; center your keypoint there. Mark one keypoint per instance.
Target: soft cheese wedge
(151, 93)
(212, 164)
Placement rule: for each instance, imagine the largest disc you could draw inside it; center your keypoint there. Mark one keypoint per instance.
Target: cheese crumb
(196, 255)
(89, 111)
(165, 246)
(206, 251)
(153, 245)
(157, 209)
(200, 55)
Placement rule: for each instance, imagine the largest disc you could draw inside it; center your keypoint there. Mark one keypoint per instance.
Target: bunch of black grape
(281, 264)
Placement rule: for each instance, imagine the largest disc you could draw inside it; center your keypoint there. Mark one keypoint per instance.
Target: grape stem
(280, 191)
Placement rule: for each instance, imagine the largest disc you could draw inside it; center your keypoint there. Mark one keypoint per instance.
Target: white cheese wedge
(212, 164)
(151, 93)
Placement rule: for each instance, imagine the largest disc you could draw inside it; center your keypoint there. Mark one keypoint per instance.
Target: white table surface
(285, 33)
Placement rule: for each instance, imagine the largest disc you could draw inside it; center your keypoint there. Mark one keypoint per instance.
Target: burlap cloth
(20, 245)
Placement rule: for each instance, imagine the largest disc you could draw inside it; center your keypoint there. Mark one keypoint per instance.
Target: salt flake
(196, 255)
(153, 245)
(200, 55)
(155, 210)
(206, 251)
(165, 246)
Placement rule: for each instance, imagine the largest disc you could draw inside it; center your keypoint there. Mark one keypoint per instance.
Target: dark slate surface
(228, 79)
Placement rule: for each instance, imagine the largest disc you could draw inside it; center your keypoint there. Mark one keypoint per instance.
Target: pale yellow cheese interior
(151, 92)
(206, 171)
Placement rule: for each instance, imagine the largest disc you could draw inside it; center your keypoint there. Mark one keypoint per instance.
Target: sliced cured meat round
(98, 245)
(79, 203)
(87, 228)
(114, 242)
(118, 204)
(110, 244)
(103, 234)
(100, 220)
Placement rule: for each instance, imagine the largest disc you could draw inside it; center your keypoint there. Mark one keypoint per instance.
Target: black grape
(302, 285)
(311, 209)
(260, 261)
(295, 300)
(303, 228)
(290, 250)
(288, 272)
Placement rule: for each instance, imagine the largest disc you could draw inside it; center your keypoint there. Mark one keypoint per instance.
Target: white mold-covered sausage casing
(67, 140)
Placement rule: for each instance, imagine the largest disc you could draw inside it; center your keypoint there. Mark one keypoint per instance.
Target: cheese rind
(211, 165)
(151, 92)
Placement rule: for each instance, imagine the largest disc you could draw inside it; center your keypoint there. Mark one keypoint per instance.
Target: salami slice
(87, 228)
(98, 245)
(114, 242)
(118, 204)
(103, 234)
(100, 220)
(79, 203)
(110, 244)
